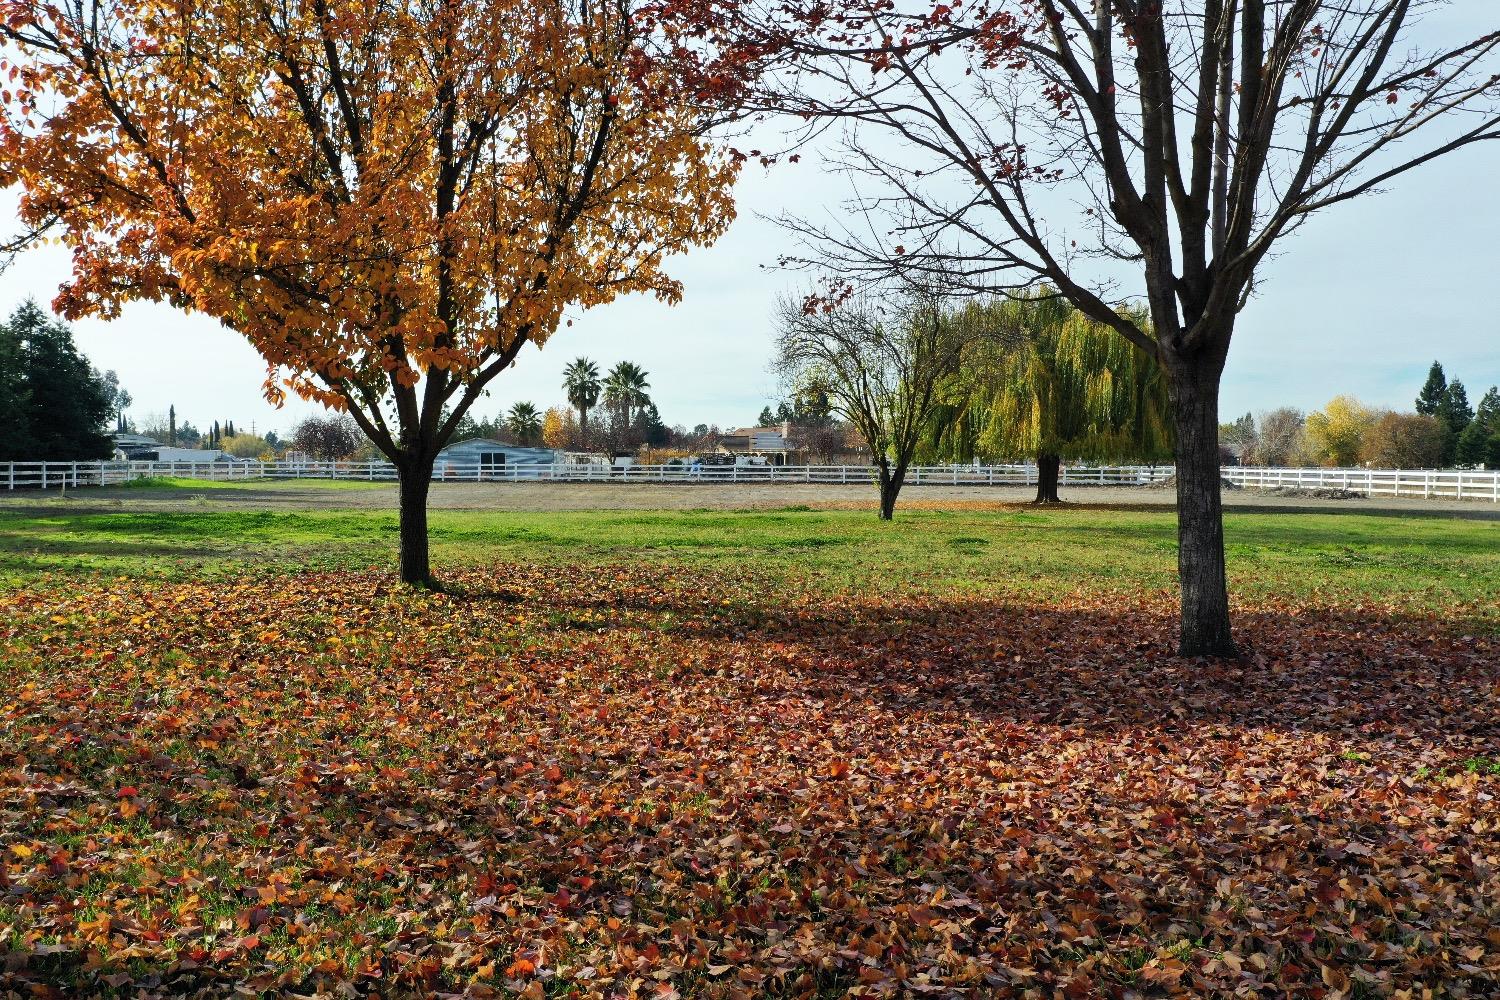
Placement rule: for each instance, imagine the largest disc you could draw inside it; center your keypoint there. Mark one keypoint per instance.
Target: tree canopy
(387, 200)
(1057, 386)
(53, 405)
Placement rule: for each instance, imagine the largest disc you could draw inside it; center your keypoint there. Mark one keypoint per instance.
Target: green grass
(1412, 565)
(257, 484)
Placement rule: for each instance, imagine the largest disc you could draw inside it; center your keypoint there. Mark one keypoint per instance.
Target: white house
(483, 458)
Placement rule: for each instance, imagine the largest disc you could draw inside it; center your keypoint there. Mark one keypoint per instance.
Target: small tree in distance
(1059, 385)
(1431, 395)
(327, 437)
(1279, 437)
(880, 363)
(525, 423)
(1404, 441)
(1335, 434)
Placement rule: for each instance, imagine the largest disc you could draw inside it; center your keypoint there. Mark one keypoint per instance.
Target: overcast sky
(1360, 301)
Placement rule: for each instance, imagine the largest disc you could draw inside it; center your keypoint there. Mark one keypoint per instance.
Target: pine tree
(1473, 445)
(1488, 412)
(1456, 414)
(1479, 444)
(1432, 391)
(67, 404)
(16, 444)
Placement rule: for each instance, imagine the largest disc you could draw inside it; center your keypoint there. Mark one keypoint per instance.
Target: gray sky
(1360, 301)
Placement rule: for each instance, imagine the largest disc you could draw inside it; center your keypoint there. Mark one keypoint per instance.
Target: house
(768, 441)
(485, 458)
(127, 446)
(164, 453)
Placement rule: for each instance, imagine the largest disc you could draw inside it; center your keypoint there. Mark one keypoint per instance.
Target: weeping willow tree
(1058, 386)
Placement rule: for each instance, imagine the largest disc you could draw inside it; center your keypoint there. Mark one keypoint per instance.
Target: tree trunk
(416, 480)
(890, 488)
(1047, 468)
(1200, 513)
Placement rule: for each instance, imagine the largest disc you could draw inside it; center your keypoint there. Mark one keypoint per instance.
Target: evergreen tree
(1454, 409)
(1473, 445)
(1456, 414)
(67, 405)
(16, 444)
(1479, 444)
(1432, 391)
(1488, 412)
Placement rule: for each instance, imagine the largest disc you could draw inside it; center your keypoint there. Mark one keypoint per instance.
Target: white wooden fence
(1446, 484)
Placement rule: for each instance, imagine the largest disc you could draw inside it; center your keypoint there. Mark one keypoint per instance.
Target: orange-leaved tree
(388, 198)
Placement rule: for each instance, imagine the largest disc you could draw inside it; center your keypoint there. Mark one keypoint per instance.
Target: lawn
(720, 754)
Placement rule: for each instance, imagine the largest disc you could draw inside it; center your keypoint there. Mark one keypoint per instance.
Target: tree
(1280, 438)
(172, 424)
(525, 423)
(16, 443)
(1239, 436)
(1472, 447)
(1194, 137)
(881, 361)
(1432, 391)
(650, 429)
(581, 383)
(767, 417)
(327, 438)
(119, 400)
(60, 405)
(1404, 441)
(560, 428)
(1454, 411)
(1335, 434)
(625, 389)
(245, 445)
(1050, 384)
(388, 200)
(1476, 445)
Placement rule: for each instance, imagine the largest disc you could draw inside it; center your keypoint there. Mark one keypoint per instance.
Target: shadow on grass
(1027, 790)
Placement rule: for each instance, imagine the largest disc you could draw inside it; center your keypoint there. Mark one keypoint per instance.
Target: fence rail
(1433, 483)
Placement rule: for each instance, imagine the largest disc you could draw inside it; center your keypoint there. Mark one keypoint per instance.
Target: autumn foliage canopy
(372, 193)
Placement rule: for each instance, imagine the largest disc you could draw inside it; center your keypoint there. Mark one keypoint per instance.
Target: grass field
(743, 754)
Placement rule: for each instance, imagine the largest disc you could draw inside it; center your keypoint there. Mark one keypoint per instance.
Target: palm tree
(626, 387)
(581, 383)
(524, 422)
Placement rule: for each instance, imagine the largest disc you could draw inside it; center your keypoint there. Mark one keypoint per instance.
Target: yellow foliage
(1334, 435)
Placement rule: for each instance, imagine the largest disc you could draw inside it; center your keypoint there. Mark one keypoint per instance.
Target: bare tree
(1169, 143)
(1279, 441)
(880, 365)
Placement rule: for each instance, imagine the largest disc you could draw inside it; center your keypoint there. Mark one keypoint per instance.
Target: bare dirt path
(304, 495)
